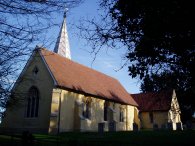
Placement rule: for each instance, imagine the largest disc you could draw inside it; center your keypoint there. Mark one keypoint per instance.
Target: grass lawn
(140, 138)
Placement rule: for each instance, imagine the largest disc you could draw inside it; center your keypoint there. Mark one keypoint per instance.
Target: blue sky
(106, 62)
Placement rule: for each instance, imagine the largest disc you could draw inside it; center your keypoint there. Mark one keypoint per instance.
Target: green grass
(139, 138)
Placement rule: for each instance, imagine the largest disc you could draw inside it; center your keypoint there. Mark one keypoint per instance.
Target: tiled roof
(151, 101)
(76, 77)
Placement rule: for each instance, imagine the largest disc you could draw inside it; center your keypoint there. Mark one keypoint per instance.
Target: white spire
(62, 45)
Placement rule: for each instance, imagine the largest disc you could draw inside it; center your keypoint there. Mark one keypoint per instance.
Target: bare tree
(22, 24)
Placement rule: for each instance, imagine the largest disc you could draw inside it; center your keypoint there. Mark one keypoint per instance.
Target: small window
(122, 115)
(139, 116)
(87, 109)
(151, 117)
(35, 70)
(32, 103)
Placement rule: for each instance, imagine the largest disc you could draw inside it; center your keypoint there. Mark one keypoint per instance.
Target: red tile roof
(151, 101)
(76, 77)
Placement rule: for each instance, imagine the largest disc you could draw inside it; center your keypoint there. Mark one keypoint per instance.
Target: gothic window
(32, 103)
(151, 117)
(87, 109)
(121, 115)
(105, 111)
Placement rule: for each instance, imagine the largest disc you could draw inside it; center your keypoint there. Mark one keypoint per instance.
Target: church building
(55, 94)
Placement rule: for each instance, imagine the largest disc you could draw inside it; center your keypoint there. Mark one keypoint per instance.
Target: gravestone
(170, 126)
(189, 125)
(135, 127)
(112, 126)
(155, 126)
(163, 127)
(101, 127)
(179, 126)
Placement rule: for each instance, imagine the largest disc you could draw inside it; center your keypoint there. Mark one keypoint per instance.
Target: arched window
(32, 103)
(106, 104)
(151, 117)
(87, 109)
(122, 115)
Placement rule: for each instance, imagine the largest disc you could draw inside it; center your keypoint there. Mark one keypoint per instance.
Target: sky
(106, 62)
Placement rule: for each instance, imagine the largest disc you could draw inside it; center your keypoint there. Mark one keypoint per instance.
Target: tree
(159, 40)
(23, 23)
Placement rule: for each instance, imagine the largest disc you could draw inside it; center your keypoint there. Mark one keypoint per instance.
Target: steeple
(62, 44)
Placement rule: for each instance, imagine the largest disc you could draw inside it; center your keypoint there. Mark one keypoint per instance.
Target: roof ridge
(79, 64)
(153, 92)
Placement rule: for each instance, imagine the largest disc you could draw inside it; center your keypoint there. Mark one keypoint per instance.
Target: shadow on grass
(139, 138)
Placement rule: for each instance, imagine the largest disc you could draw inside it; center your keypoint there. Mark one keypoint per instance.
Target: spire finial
(62, 44)
(65, 12)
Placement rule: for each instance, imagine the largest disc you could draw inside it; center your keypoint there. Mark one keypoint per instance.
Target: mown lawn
(140, 138)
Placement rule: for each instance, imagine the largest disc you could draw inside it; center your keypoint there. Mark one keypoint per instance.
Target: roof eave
(89, 94)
